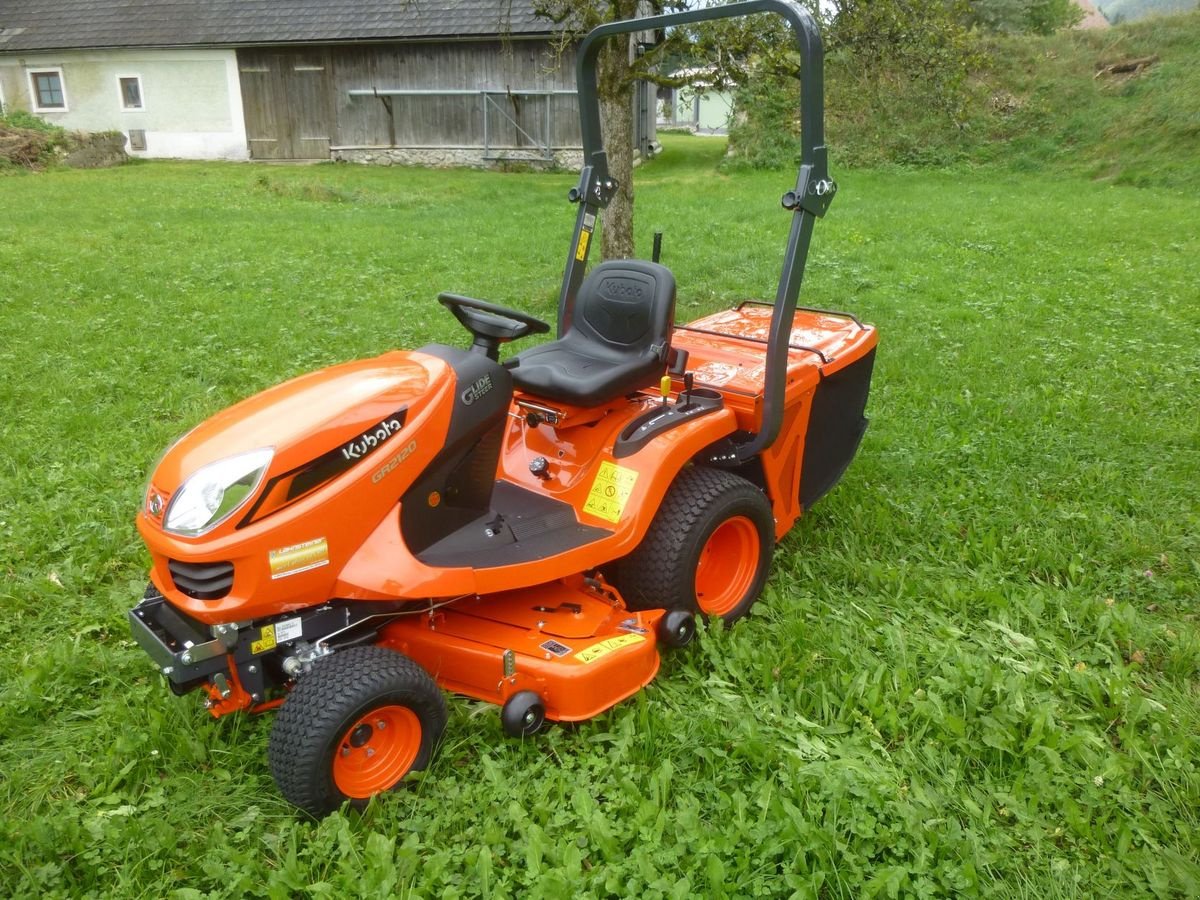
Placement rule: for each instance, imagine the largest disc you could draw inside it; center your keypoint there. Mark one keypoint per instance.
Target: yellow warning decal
(265, 642)
(610, 491)
(605, 647)
(581, 249)
(299, 558)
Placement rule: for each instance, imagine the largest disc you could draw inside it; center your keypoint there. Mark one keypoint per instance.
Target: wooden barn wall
(298, 102)
(287, 102)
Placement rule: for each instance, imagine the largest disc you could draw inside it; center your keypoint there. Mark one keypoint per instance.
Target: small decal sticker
(288, 630)
(556, 648)
(299, 558)
(632, 626)
(581, 250)
(605, 647)
(715, 373)
(610, 491)
(265, 642)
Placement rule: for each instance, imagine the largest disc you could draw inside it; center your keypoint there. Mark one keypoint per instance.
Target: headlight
(215, 492)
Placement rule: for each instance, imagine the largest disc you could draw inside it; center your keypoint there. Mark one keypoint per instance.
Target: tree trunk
(615, 88)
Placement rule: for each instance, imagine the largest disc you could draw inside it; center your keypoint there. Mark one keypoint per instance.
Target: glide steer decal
(477, 390)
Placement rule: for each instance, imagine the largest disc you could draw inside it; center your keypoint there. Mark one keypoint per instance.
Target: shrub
(28, 142)
(19, 118)
(765, 130)
(1025, 16)
(880, 56)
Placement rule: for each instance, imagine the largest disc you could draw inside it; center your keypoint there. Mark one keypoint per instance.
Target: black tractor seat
(615, 341)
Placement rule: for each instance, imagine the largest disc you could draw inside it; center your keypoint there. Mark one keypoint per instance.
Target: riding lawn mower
(349, 544)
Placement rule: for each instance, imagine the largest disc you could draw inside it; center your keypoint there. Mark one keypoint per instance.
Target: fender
(384, 569)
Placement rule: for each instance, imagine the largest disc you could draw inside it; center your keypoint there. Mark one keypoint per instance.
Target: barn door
(287, 96)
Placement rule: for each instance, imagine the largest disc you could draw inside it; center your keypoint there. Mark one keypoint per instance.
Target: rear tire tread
(660, 572)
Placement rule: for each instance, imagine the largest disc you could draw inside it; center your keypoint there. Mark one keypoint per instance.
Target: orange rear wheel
(707, 551)
(727, 566)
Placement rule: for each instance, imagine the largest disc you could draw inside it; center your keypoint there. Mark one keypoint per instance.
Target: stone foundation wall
(469, 158)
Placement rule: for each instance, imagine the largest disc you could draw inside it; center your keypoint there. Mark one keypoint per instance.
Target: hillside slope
(1040, 104)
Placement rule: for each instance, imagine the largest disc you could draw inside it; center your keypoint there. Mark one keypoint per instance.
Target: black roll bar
(807, 201)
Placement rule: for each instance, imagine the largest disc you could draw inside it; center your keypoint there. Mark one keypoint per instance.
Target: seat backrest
(627, 305)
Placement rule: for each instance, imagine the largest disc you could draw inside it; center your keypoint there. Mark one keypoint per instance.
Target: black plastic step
(522, 526)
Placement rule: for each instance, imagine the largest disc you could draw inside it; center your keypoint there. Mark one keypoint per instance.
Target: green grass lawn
(976, 667)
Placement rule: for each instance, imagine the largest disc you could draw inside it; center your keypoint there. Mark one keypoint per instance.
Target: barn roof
(93, 24)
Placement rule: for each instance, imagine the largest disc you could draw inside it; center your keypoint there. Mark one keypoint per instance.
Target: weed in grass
(975, 667)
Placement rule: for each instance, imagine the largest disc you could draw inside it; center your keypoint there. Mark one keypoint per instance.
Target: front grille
(203, 581)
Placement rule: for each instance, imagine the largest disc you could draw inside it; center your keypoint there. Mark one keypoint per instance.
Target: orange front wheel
(377, 751)
(353, 727)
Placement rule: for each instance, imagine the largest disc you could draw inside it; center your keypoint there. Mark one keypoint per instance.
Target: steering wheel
(490, 325)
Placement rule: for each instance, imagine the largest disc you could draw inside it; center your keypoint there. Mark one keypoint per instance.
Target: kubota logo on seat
(477, 390)
(621, 289)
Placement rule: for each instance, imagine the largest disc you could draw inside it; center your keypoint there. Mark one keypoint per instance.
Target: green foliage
(919, 40)
(974, 668)
(765, 131)
(877, 53)
(19, 118)
(1025, 16)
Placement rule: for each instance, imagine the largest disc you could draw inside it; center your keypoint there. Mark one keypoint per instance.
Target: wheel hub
(377, 751)
(727, 566)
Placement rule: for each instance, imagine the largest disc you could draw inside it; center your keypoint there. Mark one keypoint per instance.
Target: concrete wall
(456, 158)
(707, 113)
(192, 101)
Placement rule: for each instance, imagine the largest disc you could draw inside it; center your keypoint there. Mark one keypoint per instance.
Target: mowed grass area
(976, 667)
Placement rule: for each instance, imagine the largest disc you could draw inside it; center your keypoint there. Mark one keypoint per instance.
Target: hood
(347, 410)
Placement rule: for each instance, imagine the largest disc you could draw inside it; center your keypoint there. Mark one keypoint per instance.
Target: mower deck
(575, 646)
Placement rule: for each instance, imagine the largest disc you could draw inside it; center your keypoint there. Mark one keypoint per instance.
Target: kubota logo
(621, 289)
(477, 390)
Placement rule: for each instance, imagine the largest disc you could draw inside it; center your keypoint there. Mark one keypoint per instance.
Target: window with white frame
(49, 93)
(131, 92)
